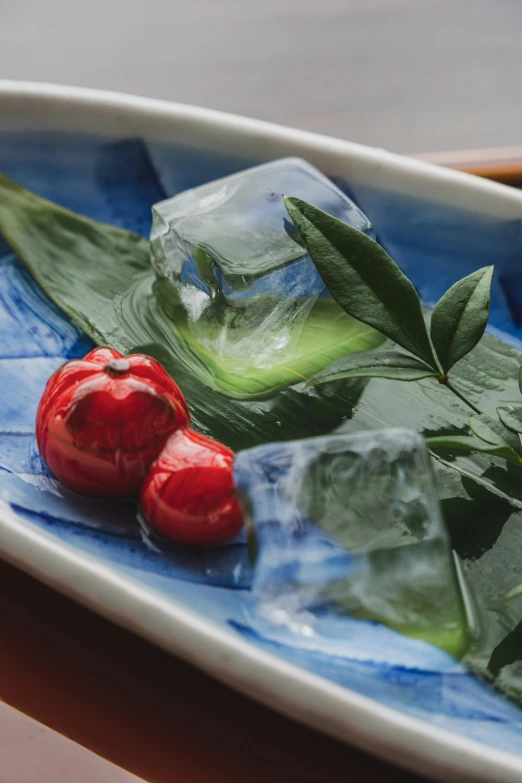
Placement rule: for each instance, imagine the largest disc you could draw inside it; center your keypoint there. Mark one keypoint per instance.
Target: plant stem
(458, 394)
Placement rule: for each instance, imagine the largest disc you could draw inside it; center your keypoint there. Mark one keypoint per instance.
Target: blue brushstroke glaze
(116, 181)
(455, 700)
(22, 382)
(127, 180)
(18, 454)
(181, 168)
(30, 324)
(224, 567)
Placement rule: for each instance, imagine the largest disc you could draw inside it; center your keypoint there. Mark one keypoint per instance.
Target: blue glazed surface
(116, 183)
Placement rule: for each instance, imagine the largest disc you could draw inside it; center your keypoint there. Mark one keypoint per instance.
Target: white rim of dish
(297, 693)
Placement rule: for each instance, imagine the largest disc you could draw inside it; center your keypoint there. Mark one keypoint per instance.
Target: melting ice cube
(350, 526)
(236, 264)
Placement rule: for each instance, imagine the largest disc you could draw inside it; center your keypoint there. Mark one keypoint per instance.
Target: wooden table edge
(502, 164)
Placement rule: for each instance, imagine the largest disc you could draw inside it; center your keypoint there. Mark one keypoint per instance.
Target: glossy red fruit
(188, 496)
(103, 420)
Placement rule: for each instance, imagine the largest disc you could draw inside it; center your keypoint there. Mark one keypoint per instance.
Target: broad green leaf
(362, 277)
(468, 444)
(511, 417)
(375, 364)
(102, 278)
(81, 264)
(327, 333)
(493, 431)
(460, 317)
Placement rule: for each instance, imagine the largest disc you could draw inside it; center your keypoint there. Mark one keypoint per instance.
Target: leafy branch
(367, 283)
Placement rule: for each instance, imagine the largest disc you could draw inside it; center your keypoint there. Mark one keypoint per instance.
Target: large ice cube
(350, 526)
(236, 262)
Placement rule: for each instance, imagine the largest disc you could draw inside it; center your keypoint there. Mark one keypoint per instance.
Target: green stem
(458, 394)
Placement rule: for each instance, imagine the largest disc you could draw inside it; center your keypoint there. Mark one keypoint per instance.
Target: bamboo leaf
(468, 445)
(81, 264)
(362, 278)
(460, 317)
(511, 417)
(102, 278)
(493, 431)
(393, 365)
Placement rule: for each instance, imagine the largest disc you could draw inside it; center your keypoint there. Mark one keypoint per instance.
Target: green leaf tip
(460, 317)
(511, 417)
(363, 278)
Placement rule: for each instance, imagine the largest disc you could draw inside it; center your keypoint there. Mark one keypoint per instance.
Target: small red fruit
(188, 496)
(103, 420)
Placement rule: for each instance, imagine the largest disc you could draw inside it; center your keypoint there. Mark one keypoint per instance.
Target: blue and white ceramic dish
(110, 157)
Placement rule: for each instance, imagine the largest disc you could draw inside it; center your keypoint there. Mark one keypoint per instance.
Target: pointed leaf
(375, 364)
(460, 317)
(362, 278)
(468, 445)
(493, 431)
(511, 417)
(66, 252)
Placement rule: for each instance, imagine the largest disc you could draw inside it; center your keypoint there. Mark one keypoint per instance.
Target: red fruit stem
(117, 367)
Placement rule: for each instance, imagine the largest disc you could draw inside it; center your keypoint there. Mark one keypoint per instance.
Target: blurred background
(408, 75)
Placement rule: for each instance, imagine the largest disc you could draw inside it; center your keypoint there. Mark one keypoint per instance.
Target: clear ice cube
(236, 262)
(350, 526)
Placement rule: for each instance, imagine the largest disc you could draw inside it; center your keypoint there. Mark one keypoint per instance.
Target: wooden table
(501, 165)
(150, 713)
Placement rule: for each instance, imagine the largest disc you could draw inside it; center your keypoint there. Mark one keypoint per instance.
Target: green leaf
(375, 364)
(102, 278)
(460, 317)
(511, 417)
(327, 334)
(493, 431)
(468, 444)
(362, 277)
(81, 264)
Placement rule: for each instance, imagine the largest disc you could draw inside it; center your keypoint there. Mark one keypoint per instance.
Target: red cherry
(103, 420)
(188, 496)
